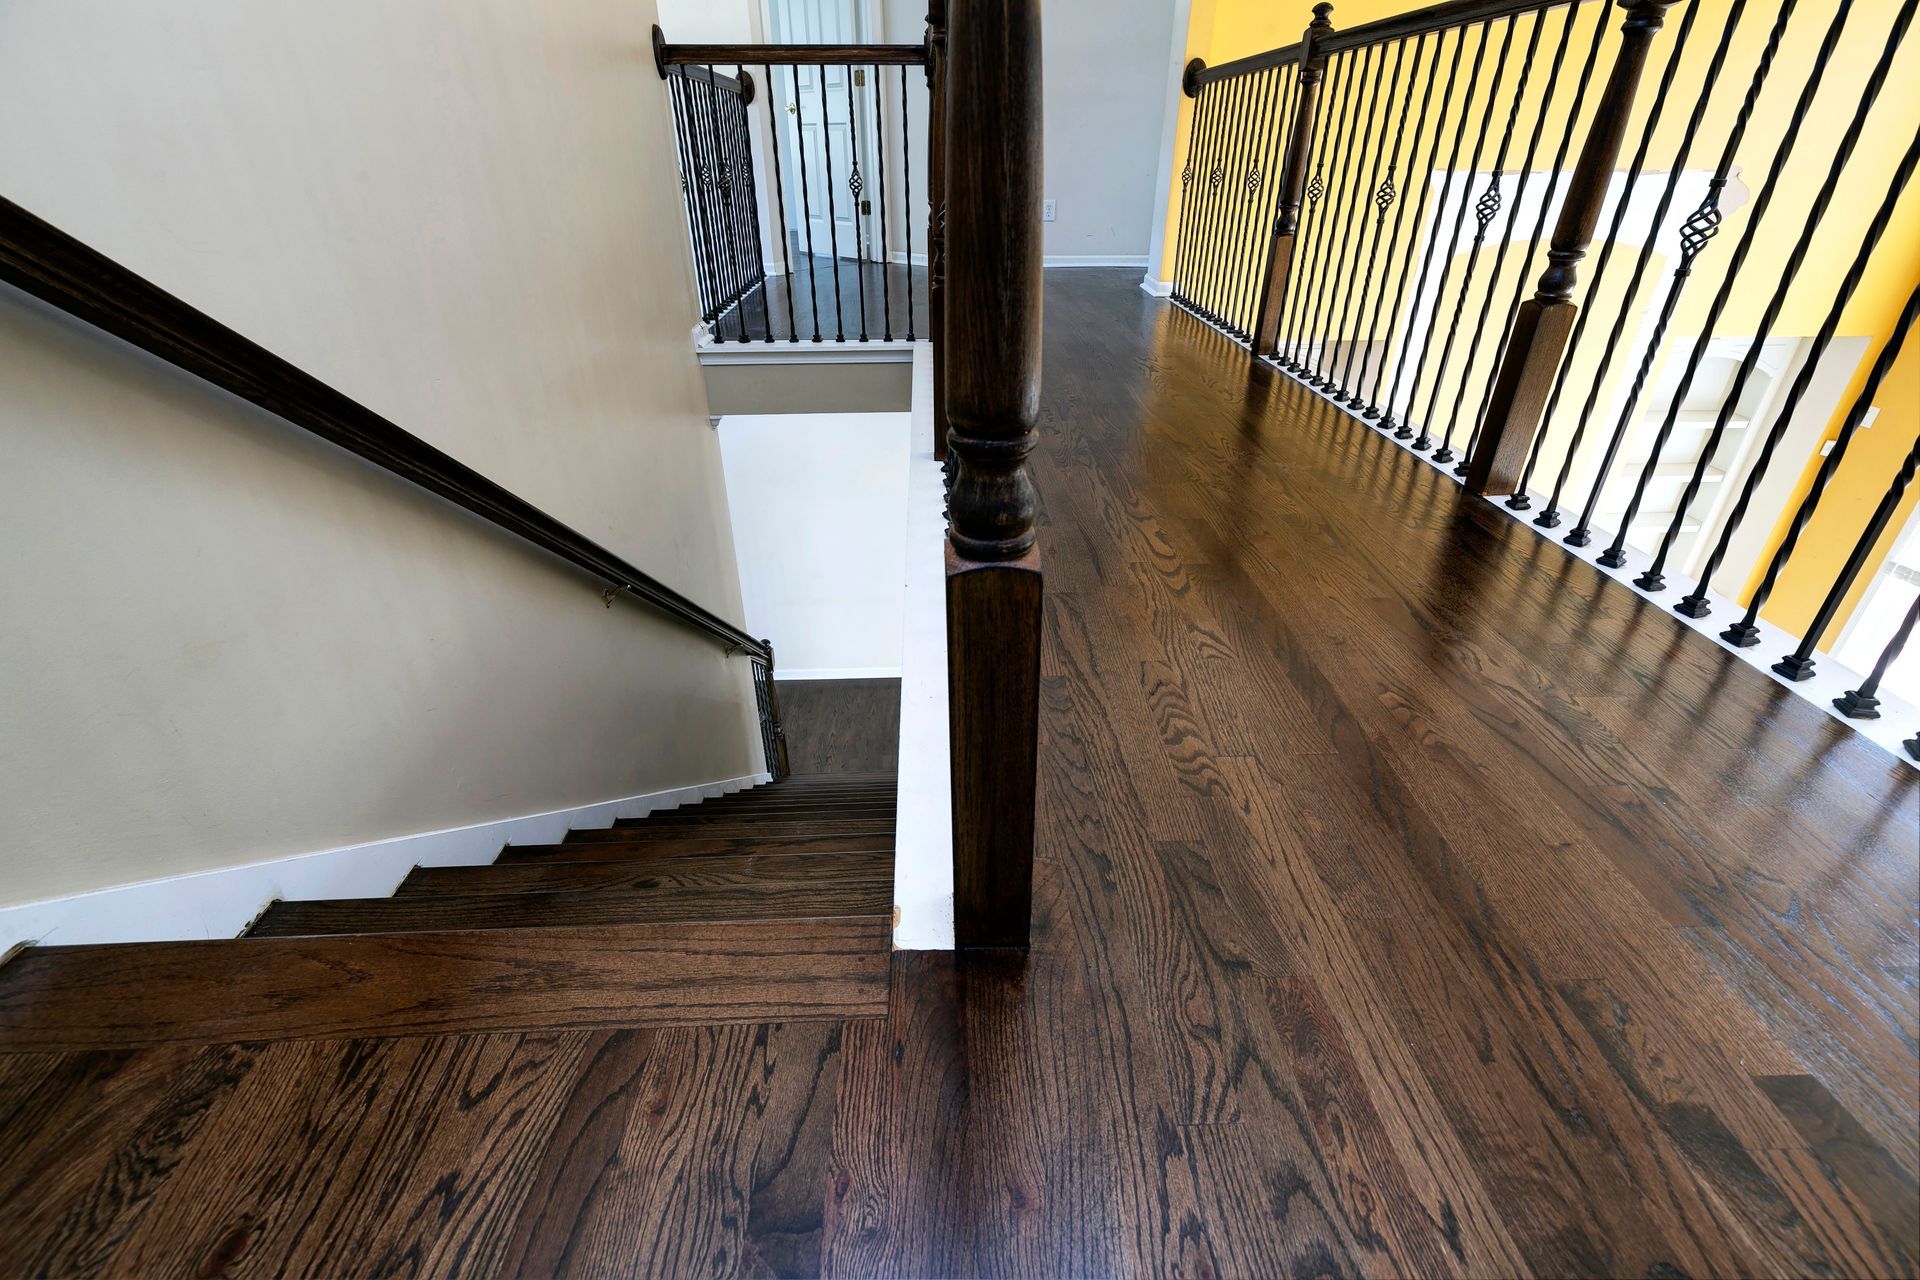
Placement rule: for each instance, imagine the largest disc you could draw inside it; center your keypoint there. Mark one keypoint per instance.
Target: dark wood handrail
(1434, 17)
(42, 260)
(1204, 75)
(785, 55)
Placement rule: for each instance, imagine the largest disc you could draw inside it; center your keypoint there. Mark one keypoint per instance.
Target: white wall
(819, 507)
(222, 641)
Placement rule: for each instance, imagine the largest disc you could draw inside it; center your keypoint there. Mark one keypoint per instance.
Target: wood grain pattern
(842, 726)
(1409, 899)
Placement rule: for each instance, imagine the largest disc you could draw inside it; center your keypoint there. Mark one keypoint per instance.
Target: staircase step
(742, 901)
(642, 833)
(683, 845)
(64, 999)
(647, 875)
(765, 800)
(695, 817)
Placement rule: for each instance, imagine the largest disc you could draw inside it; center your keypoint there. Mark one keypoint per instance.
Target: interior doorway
(827, 140)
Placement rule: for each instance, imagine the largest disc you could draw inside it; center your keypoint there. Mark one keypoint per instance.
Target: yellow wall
(1222, 30)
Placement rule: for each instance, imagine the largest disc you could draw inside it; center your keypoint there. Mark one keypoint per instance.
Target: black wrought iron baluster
(745, 228)
(1654, 578)
(1333, 92)
(1745, 633)
(687, 191)
(1327, 236)
(1863, 703)
(1385, 196)
(1214, 98)
(1524, 275)
(880, 131)
(1404, 431)
(1798, 665)
(716, 170)
(1424, 440)
(1485, 210)
(1550, 517)
(1695, 603)
(780, 210)
(1699, 229)
(1426, 189)
(907, 219)
(1233, 102)
(1246, 259)
(833, 216)
(726, 227)
(1616, 554)
(806, 203)
(1264, 187)
(702, 187)
(856, 190)
(1367, 197)
(750, 183)
(1183, 251)
(1193, 183)
(1320, 203)
(1340, 210)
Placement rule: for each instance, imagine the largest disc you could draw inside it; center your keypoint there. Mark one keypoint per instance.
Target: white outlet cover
(1047, 210)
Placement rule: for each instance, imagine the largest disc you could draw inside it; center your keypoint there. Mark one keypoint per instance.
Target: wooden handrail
(1434, 17)
(38, 258)
(785, 55)
(1199, 76)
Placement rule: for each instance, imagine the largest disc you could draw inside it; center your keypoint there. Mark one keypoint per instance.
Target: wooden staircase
(768, 905)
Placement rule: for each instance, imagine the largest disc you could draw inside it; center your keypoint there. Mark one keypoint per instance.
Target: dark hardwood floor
(841, 726)
(795, 307)
(1411, 900)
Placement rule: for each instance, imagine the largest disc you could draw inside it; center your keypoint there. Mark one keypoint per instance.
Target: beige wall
(222, 641)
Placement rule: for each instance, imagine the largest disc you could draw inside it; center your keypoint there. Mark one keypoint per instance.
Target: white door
(825, 147)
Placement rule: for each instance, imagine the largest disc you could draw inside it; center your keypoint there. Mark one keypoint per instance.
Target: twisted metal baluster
(1384, 198)
(1616, 554)
(1331, 222)
(1860, 703)
(1653, 579)
(1332, 289)
(1268, 213)
(1259, 165)
(1798, 665)
(1698, 230)
(1745, 633)
(689, 184)
(780, 208)
(1354, 234)
(1233, 100)
(1533, 240)
(1426, 189)
(1381, 199)
(906, 178)
(1695, 604)
(856, 186)
(1335, 96)
(1484, 212)
(879, 128)
(1183, 254)
(1212, 99)
(806, 205)
(1424, 440)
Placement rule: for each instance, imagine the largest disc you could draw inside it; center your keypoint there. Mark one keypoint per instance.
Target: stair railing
(1367, 209)
(40, 259)
(833, 119)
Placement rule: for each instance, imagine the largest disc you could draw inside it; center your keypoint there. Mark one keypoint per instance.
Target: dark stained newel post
(993, 283)
(1541, 326)
(1293, 179)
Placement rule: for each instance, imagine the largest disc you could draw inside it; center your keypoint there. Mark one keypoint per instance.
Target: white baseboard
(220, 903)
(1158, 288)
(1095, 260)
(900, 258)
(837, 673)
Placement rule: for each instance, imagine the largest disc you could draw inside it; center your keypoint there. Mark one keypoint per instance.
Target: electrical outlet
(1047, 210)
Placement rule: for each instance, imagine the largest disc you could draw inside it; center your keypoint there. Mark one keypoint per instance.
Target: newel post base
(1273, 291)
(993, 710)
(1539, 339)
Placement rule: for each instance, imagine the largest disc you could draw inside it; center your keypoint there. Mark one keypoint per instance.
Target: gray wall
(222, 641)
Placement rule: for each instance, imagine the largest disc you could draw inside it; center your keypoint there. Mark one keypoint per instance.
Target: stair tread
(226, 990)
(695, 818)
(703, 844)
(651, 873)
(743, 902)
(641, 833)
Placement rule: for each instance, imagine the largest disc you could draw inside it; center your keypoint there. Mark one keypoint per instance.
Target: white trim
(220, 903)
(839, 673)
(901, 258)
(923, 814)
(804, 352)
(1157, 288)
(1095, 260)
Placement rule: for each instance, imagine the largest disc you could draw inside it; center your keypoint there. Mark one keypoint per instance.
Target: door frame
(865, 127)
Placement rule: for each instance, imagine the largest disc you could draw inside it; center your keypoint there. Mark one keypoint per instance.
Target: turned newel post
(937, 214)
(993, 283)
(1541, 325)
(1293, 180)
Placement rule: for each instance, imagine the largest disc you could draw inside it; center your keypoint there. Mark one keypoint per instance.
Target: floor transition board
(1412, 900)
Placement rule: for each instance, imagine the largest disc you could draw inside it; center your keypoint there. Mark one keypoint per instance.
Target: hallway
(1411, 900)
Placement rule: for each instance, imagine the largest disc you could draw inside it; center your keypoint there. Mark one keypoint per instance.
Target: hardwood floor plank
(669, 874)
(296, 988)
